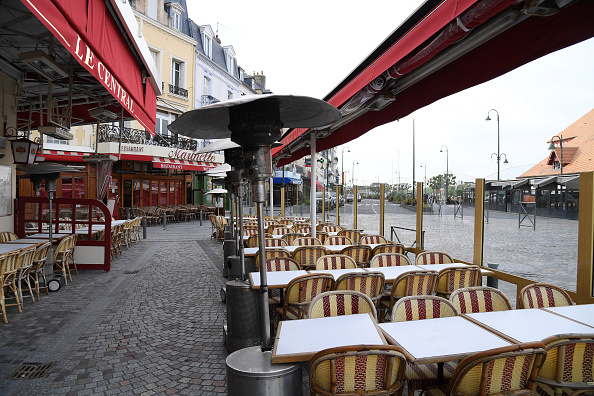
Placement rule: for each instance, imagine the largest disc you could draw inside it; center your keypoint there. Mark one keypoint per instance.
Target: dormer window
(230, 59)
(175, 13)
(207, 35)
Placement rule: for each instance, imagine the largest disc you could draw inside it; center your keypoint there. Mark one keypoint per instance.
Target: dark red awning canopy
(444, 47)
(90, 33)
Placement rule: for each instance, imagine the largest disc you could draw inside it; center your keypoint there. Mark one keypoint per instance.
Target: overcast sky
(309, 47)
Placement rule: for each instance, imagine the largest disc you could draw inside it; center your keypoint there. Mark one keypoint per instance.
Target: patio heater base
(243, 316)
(56, 283)
(249, 372)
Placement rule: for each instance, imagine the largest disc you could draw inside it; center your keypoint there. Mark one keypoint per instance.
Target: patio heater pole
(313, 182)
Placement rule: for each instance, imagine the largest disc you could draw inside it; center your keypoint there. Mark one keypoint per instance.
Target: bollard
(164, 220)
(492, 282)
(200, 217)
(144, 228)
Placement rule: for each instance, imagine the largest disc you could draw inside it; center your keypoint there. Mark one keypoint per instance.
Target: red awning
(430, 33)
(90, 33)
(167, 163)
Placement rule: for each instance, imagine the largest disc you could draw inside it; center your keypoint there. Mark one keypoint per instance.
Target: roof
(578, 150)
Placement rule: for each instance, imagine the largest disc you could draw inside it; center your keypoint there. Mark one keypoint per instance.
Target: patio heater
(255, 122)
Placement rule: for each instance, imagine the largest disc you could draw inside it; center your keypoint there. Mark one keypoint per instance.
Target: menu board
(5, 190)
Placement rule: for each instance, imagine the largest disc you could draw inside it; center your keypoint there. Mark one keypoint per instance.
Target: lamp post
(498, 154)
(342, 175)
(447, 169)
(353, 175)
(552, 147)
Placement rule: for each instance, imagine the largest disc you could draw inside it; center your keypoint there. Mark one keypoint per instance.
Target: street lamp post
(447, 169)
(498, 154)
(423, 165)
(342, 175)
(552, 147)
(353, 175)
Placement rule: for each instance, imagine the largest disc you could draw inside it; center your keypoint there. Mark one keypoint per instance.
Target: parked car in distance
(329, 201)
(358, 197)
(350, 198)
(339, 199)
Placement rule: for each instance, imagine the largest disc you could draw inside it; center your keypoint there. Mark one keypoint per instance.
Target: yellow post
(355, 201)
(337, 205)
(585, 264)
(282, 201)
(382, 208)
(479, 222)
(419, 237)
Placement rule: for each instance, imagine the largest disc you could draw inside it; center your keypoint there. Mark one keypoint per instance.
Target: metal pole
(265, 315)
(240, 222)
(144, 228)
(164, 219)
(382, 208)
(313, 180)
(355, 202)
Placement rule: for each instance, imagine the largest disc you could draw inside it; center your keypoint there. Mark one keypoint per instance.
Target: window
(175, 18)
(176, 73)
(161, 124)
(53, 140)
(229, 95)
(206, 34)
(156, 58)
(206, 86)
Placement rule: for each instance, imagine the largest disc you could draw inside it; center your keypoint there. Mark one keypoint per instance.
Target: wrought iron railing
(178, 91)
(111, 133)
(207, 99)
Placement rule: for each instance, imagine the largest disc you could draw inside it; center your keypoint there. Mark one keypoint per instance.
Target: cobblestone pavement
(153, 324)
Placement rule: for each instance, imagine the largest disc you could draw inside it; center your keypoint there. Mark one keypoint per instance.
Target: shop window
(146, 190)
(127, 193)
(79, 188)
(163, 197)
(136, 197)
(171, 193)
(179, 194)
(154, 193)
(66, 187)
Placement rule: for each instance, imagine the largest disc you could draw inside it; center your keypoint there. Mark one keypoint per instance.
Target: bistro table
(7, 247)
(391, 273)
(439, 267)
(527, 325)
(580, 313)
(275, 279)
(337, 273)
(334, 249)
(300, 340)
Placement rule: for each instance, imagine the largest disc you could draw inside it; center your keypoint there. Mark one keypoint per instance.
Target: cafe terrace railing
(111, 133)
(89, 253)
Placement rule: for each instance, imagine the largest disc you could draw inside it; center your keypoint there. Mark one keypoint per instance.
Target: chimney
(260, 79)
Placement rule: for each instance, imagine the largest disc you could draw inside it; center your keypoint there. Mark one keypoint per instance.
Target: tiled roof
(578, 150)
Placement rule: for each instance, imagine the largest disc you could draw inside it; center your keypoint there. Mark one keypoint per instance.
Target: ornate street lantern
(24, 151)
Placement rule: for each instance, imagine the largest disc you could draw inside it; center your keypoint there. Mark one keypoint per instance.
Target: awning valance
(167, 163)
(97, 42)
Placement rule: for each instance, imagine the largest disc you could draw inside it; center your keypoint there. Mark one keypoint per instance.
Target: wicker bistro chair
(281, 263)
(274, 242)
(307, 241)
(543, 295)
(353, 235)
(335, 261)
(6, 236)
(510, 370)
(369, 283)
(307, 256)
(414, 283)
(568, 367)
(38, 272)
(388, 248)
(373, 239)
(282, 231)
(71, 247)
(24, 267)
(290, 238)
(299, 293)
(331, 228)
(271, 253)
(360, 253)
(8, 272)
(61, 259)
(338, 371)
(337, 240)
(423, 376)
(302, 229)
(479, 299)
(253, 239)
(339, 303)
(388, 260)
(451, 279)
(433, 258)
(321, 235)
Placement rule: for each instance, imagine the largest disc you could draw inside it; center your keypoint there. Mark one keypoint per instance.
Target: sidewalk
(152, 325)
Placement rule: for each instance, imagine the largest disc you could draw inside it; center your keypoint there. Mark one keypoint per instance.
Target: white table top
(439, 267)
(391, 273)
(276, 279)
(581, 313)
(441, 339)
(26, 241)
(337, 273)
(7, 247)
(250, 252)
(527, 325)
(300, 340)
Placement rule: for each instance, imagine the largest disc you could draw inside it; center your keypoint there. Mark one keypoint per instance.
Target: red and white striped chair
(388, 260)
(335, 261)
(373, 239)
(479, 299)
(433, 258)
(543, 295)
(299, 293)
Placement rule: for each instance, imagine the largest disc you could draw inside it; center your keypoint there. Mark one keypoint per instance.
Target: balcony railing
(178, 91)
(111, 133)
(207, 99)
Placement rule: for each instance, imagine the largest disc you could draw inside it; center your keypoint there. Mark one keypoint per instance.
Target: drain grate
(131, 272)
(31, 370)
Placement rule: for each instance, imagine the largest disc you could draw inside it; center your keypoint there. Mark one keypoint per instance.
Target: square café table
(300, 340)
(337, 273)
(276, 279)
(8, 247)
(580, 313)
(391, 273)
(527, 325)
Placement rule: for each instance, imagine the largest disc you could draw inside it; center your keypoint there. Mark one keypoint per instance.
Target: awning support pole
(313, 180)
